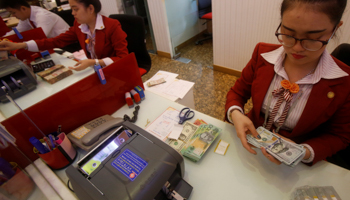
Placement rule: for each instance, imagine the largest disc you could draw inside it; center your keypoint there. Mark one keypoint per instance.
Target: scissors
(185, 114)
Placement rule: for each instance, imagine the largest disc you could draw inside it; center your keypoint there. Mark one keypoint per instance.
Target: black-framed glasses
(308, 44)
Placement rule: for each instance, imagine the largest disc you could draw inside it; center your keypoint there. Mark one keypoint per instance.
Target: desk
(45, 89)
(12, 22)
(239, 174)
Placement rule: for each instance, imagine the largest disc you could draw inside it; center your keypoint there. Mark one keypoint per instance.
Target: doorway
(140, 8)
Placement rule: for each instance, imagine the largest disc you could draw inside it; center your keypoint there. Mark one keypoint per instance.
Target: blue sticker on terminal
(129, 164)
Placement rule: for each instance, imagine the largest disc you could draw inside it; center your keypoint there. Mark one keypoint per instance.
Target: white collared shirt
(51, 23)
(326, 69)
(98, 26)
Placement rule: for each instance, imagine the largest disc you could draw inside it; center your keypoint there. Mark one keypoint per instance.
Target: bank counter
(236, 175)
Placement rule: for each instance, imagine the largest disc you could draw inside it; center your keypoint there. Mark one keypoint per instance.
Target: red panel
(3, 28)
(33, 34)
(207, 16)
(74, 106)
(142, 71)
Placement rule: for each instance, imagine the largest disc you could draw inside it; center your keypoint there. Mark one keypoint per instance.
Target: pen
(48, 143)
(59, 129)
(52, 140)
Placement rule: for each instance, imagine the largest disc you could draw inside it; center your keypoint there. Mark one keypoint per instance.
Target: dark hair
(15, 4)
(95, 3)
(334, 9)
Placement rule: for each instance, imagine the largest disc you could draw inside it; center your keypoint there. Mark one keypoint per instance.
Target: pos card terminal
(130, 164)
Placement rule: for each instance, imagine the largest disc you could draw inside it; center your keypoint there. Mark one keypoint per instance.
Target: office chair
(134, 28)
(342, 53)
(204, 12)
(342, 158)
(67, 16)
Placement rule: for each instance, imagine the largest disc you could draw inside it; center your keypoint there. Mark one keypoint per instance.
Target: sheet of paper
(159, 89)
(170, 97)
(179, 88)
(176, 132)
(164, 124)
(163, 74)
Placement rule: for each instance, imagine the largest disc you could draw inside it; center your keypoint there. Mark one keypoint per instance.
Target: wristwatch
(97, 62)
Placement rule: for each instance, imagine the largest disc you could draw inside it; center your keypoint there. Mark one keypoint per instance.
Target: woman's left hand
(83, 64)
(269, 156)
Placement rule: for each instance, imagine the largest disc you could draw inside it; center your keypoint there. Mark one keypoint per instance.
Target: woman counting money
(102, 38)
(298, 89)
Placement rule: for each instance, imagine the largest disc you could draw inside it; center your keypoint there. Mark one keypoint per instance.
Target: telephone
(95, 131)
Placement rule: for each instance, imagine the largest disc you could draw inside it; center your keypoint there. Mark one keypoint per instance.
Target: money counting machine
(130, 164)
(16, 79)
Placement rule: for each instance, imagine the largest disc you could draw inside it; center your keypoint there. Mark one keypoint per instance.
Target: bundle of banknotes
(315, 192)
(200, 141)
(187, 132)
(287, 152)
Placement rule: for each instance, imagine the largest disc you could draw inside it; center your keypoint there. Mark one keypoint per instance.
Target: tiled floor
(210, 87)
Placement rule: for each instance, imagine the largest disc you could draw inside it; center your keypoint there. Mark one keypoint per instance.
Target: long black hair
(15, 4)
(95, 3)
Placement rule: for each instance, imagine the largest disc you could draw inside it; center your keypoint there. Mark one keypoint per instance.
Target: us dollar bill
(177, 144)
(286, 152)
(187, 132)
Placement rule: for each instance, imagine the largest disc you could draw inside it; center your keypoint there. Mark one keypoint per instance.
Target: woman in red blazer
(102, 38)
(297, 89)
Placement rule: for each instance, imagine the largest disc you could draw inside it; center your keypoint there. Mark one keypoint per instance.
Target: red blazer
(109, 42)
(324, 123)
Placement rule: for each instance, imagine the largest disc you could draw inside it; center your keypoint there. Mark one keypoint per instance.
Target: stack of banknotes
(187, 132)
(200, 141)
(287, 152)
(315, 192)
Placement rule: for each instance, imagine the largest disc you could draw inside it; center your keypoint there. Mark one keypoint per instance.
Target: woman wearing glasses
(298, 89)
(102, 38)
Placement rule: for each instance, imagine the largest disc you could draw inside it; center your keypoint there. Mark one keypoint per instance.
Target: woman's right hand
(10, 46)
(243, 127)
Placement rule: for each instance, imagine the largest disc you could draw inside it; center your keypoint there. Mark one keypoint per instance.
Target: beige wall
(160, 25)
(109, 7)
(239, 25)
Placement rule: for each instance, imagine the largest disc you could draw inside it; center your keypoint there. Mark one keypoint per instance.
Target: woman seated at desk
(298, 89)
(102, 38)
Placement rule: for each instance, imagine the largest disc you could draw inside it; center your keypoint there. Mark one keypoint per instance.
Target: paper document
(172, 89)
(179, 88)
(159, 89)
(164, 124)
(176, 132)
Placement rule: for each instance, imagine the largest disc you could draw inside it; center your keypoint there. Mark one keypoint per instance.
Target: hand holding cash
(282, 150)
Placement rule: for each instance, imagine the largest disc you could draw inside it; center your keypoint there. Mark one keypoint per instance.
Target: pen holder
(62, 156)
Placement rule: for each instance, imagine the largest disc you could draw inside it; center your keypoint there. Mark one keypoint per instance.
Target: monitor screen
(93, 163)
